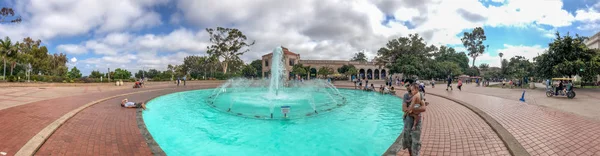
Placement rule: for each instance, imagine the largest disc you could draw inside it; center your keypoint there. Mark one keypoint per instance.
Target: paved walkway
(21, 123)
(104, 128)
(451, 129)
(540, 130)
(15, 94)
(586, 103)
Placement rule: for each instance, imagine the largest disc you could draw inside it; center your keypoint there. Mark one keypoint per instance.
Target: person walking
(449, 83)
(459, 85)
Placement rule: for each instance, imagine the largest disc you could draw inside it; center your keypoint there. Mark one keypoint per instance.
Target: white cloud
(509, 51)
(47, 19)
(73, 60)
(334, 29)
(590, 18)
(72, 49)
(523, 13)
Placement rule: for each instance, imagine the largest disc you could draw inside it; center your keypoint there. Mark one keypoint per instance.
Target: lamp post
(4, 75)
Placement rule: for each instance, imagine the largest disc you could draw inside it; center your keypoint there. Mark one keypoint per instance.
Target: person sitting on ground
(125, 103)
(371, 88)
(392, 91)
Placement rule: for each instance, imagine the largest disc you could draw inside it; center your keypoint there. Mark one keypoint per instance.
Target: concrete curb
(38, 140)
(511, 143)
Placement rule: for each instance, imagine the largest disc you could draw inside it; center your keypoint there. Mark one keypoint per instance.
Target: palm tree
(500, 54)
(7, 48)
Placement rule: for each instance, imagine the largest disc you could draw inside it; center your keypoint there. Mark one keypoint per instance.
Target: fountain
(259, 98)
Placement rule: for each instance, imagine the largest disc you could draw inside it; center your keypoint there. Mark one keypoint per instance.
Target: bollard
(522, 96)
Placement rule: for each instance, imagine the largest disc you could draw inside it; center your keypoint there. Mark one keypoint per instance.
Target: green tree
(249, 71)
(257, 64)
(74, 73)
(450, 54)
(7, 48)
(408, 55)
(226, 44)
(474, 42)
(325, 71)
(484, 66)
(566, 56)
(345, 68)
(352, 71)
(299, 70)
(473, 71)
(96, 74)
(519, 67)
(121, 74)
(360, 56)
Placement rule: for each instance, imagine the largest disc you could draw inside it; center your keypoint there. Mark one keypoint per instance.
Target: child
(416, 102)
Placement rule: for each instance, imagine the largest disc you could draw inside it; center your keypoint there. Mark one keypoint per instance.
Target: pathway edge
(40, 138)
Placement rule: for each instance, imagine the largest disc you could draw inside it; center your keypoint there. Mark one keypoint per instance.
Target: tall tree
(450, 54)
(484, 66)
(500, 54)
(519, 67)
(345, 68)
(360, 56)
(5, 13)
(325, 71)
(7, 48)
(249, 71)
(95, 74)
(74, 73)
(226, 44)
(257, 64)
(474, 42)
(408, 55)
(566, 56)
(121, 74)
(299, 70)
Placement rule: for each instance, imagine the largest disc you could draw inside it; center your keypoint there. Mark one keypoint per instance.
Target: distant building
(593, 42)
(368, 70)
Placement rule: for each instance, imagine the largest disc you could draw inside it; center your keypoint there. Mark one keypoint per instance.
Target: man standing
(411, 137)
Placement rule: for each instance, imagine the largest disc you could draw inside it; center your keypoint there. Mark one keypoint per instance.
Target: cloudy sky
(135, 34)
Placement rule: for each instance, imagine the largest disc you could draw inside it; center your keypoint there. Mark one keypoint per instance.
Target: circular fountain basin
(185, 123)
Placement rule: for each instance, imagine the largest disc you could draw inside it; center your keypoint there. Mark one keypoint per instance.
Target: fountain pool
(182, 124)
(274, 117)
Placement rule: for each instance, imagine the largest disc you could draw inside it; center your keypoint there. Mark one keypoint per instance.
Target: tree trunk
(224, 67)
(474, 61)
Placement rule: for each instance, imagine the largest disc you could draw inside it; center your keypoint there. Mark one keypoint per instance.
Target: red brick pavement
(22, 122)
(451, 129)
(541, 130)
(104, 129)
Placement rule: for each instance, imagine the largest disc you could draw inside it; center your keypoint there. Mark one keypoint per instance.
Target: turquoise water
(184, 124)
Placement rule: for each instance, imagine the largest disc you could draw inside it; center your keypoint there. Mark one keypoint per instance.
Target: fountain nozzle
(271, 115)
(316, 112)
